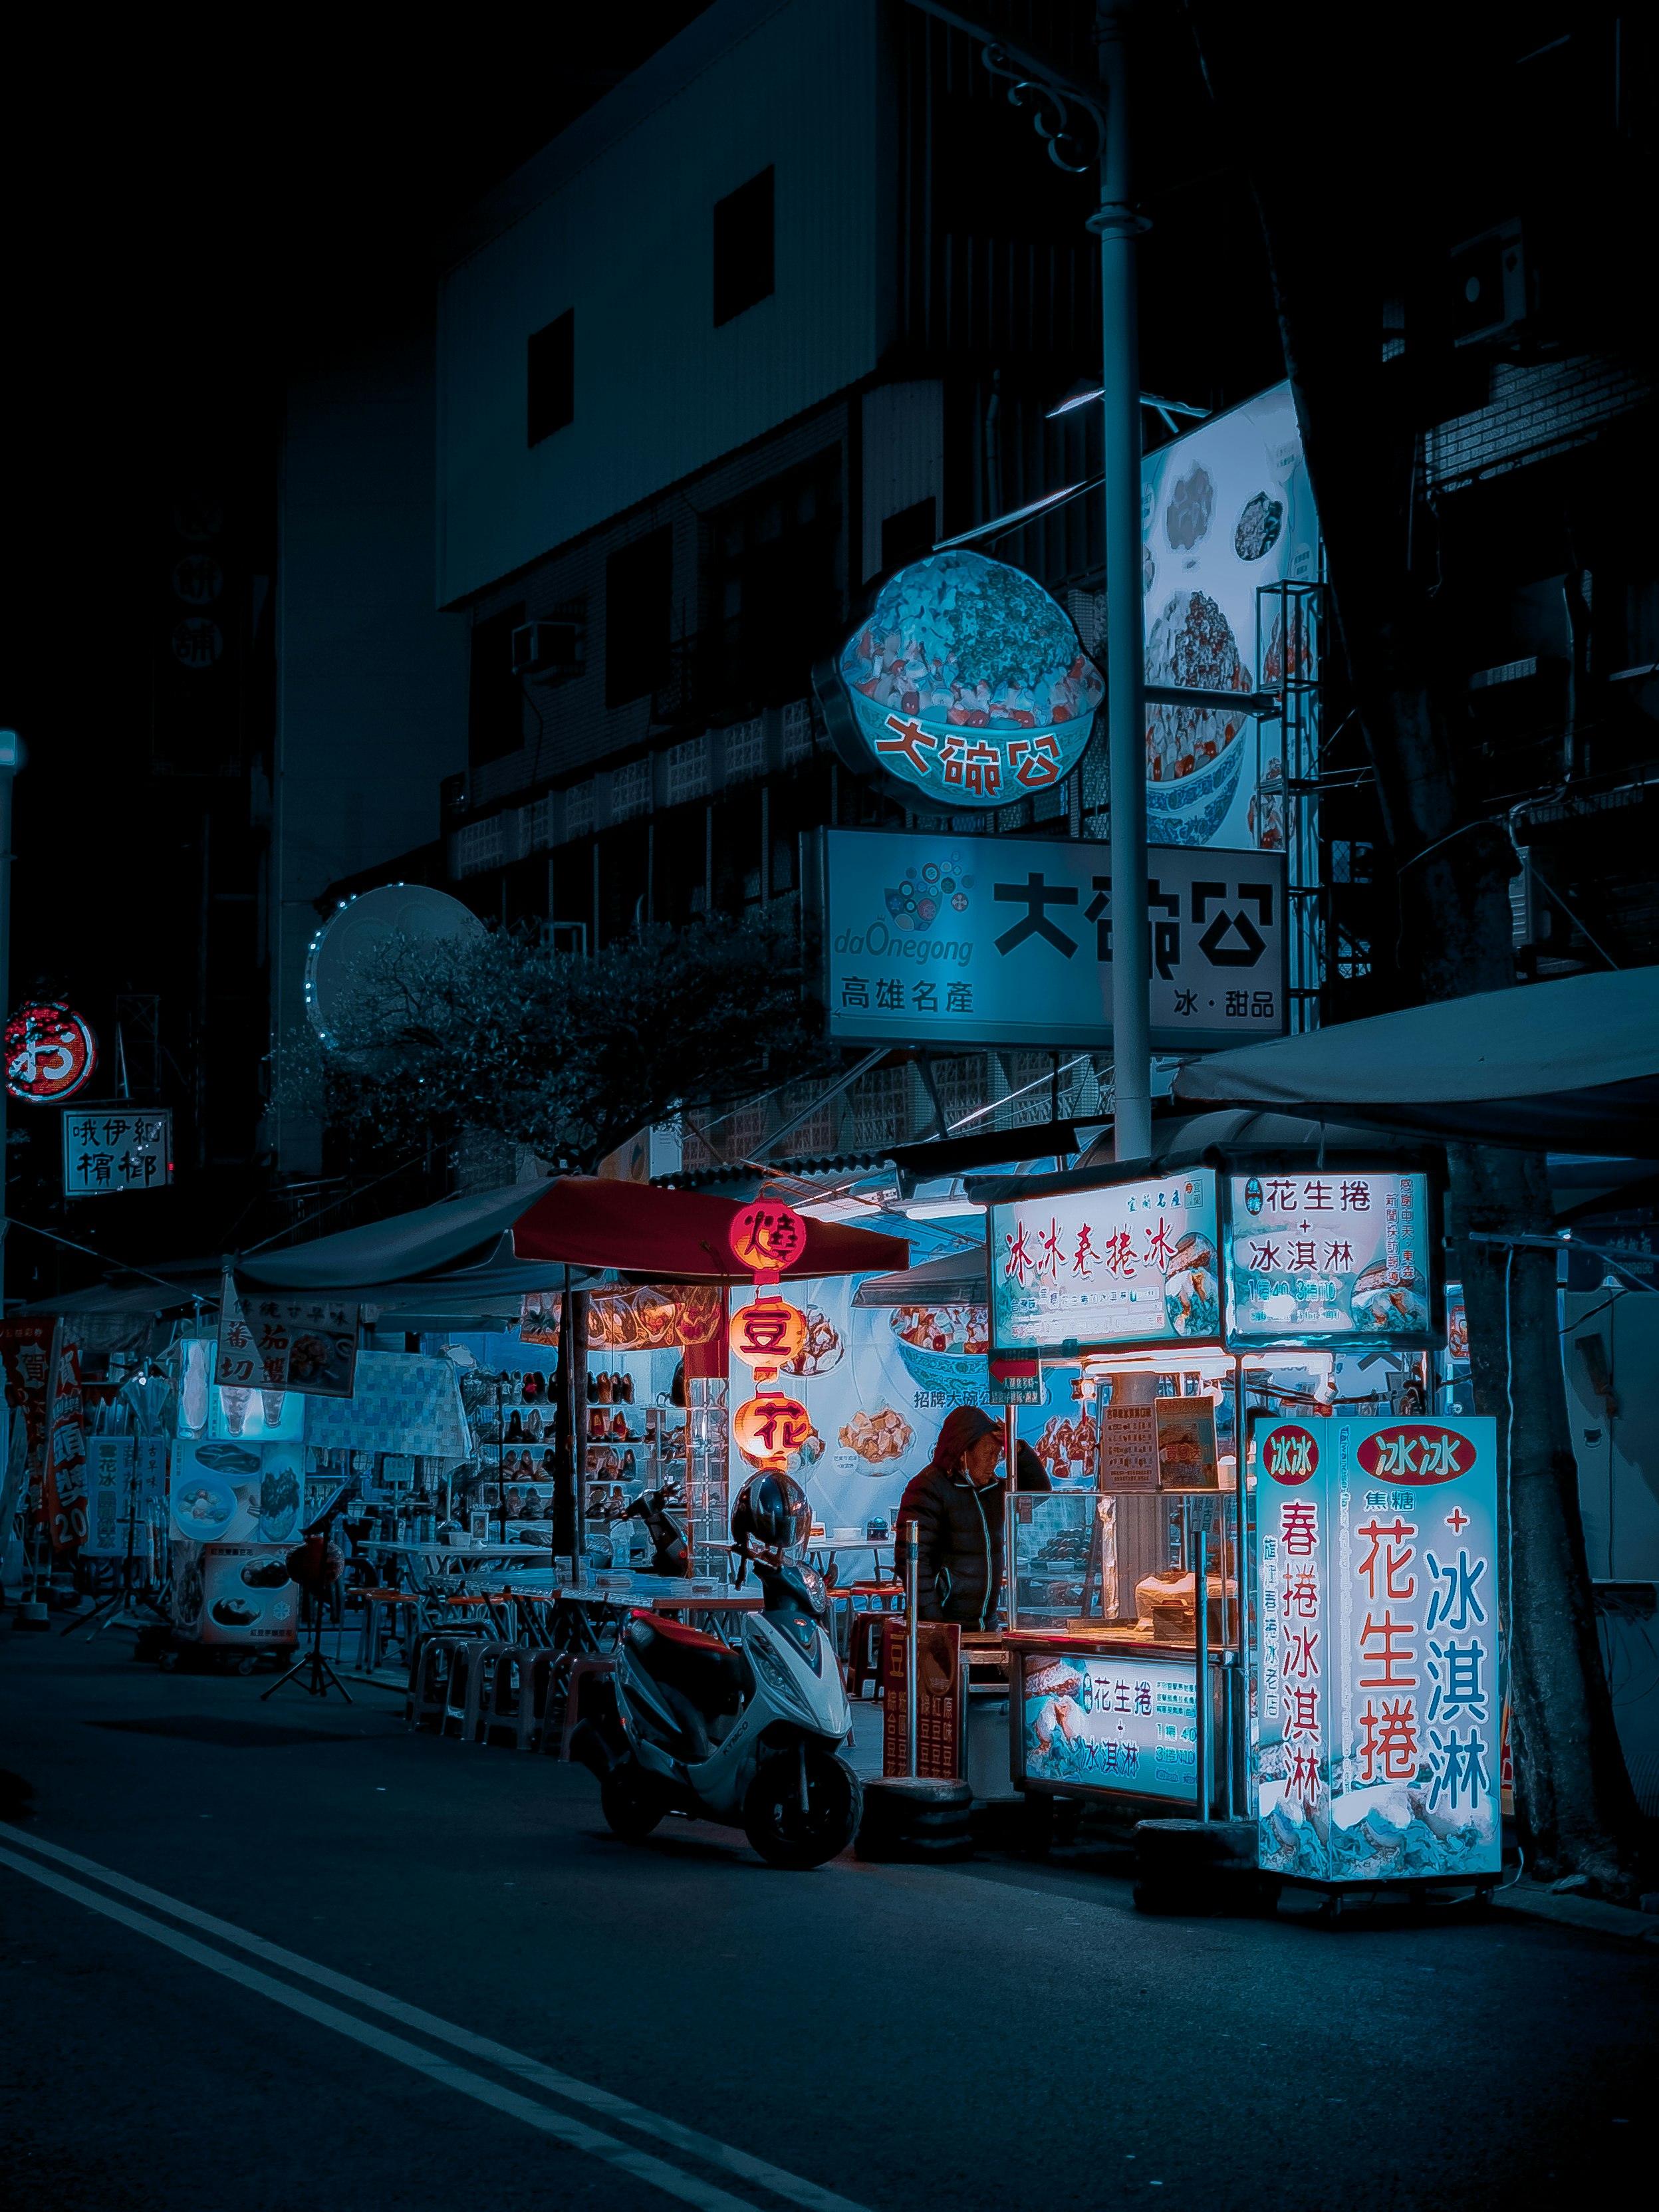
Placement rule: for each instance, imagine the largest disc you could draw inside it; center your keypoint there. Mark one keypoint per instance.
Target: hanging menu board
(1315, 1259)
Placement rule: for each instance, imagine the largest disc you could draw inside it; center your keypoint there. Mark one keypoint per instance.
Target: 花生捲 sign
(942, 940)
(1129, 1724)
(1129, 1265)
(967, 686)
(1378, 1690)
(116, 1148)
(1349, 1253)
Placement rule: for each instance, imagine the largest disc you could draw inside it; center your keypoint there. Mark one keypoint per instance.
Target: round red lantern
(769, 1430)
(767, 1239)
(767, 1335)
(51, 1052)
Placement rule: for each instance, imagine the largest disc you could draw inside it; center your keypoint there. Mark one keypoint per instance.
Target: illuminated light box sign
(966, 687)
(1346, 1254)
(51, 1052)
(113, 1148)
(1116, 1269)
(1120, 1724)
(1377, 1665)
(944, 940)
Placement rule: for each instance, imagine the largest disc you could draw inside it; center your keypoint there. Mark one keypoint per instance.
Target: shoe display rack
(634, 1445)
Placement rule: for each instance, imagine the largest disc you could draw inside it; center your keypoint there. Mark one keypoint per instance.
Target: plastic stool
(582, 1671)
(864, 1658)
(504, 1689)
(380, 1613)
(470, 1673)
(429, 1663)
(535, 1686)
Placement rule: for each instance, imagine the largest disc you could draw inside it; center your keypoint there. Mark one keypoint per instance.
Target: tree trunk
(1332, 250)
(1574, 1802)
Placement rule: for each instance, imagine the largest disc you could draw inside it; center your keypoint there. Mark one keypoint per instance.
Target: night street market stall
(1277, 1600)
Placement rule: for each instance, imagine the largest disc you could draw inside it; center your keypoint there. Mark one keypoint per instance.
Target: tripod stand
(316, 1573)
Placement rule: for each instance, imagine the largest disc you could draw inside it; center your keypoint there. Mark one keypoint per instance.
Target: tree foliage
(565, 1054)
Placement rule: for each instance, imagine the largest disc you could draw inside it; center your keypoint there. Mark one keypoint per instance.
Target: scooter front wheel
(787, 1834)
(630, 1809)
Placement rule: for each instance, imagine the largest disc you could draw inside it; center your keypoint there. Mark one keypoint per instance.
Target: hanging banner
(110, 1501)
(1225, 509)
(1378, 1683)
(285, 1340)
(64, 1481)
(25, 1358)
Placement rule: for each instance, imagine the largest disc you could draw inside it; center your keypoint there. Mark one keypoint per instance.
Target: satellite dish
(343, 947)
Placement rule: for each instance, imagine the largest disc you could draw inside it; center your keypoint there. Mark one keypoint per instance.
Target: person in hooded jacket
(955, 1503)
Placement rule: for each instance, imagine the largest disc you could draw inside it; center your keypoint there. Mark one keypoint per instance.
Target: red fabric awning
(677, 1236)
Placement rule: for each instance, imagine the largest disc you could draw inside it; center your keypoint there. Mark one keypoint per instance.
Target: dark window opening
(639, 591)
(744, 256)
(906, 535)
(772, 587)
(494, 715)
(550, 378)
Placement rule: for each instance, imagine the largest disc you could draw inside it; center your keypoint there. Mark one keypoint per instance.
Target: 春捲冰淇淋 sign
(1129, 1264)
(1378, 1689)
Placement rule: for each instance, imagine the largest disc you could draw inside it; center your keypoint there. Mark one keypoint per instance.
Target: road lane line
(574, 2133)
(792, 2187)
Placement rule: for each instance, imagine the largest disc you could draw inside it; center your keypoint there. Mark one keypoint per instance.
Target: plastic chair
(504, 1689)
(471, 1671)
(582, 1671)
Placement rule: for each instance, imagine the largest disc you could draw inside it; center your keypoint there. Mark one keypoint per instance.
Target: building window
(908, 536)
(745, 754)
(639, 588)
(579, 810)
(744, 256)
(495, 711)
(688, 771)
(550, 378)
(630, 790)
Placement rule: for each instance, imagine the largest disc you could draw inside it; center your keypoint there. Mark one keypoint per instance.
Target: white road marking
(792, 2187)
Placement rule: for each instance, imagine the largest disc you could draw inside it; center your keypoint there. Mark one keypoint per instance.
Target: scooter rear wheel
(781, 1832)
(630, 1811)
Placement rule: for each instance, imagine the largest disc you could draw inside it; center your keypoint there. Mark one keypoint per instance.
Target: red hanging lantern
(769, 1430)
(768, 1334)
(767, 1239)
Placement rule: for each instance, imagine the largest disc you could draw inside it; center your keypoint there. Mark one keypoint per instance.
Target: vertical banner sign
(110, 1500)
(64, 1482)
(1379, 1698)
(25, 1358)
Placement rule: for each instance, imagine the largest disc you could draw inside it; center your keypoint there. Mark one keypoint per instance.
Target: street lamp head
(13, 751)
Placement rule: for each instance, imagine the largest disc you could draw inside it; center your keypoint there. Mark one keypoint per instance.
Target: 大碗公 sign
(966, 687)
(942, 940)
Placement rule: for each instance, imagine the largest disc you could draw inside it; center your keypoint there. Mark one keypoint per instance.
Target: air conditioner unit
(1488, 285)
(555, 650)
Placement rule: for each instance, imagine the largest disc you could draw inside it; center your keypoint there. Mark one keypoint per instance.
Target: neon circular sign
(51, 1052)
(966, 687)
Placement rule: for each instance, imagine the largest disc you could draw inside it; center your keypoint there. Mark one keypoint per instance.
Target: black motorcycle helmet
(771, 1514)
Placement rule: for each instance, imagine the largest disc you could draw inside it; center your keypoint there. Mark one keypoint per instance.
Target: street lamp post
(13, 754)
(1082, 127)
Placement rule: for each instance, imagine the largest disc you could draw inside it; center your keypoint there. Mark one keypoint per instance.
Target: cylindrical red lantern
(767, 1239)
(770, 1429)
(767, 1335)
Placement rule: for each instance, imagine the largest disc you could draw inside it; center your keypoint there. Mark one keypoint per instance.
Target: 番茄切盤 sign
(116, 1148)
(944, 940)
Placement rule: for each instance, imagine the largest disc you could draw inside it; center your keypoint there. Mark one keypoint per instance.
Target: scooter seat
(713, 1677)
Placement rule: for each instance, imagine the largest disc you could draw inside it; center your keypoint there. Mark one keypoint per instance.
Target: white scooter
(751, 1737)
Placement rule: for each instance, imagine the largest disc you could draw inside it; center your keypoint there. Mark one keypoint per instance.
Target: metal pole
(1118, 226)
(1201, 1708)
(13, 754)
(909, 1550)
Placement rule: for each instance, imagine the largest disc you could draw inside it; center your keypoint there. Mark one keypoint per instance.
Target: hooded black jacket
(959, 1541)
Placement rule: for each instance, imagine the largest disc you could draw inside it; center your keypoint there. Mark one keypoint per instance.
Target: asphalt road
(496, 1973)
